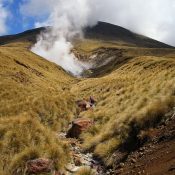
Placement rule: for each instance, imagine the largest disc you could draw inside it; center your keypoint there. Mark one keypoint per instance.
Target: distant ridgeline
(102, 31)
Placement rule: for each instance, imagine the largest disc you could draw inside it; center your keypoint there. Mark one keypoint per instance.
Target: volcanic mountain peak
(101, 31)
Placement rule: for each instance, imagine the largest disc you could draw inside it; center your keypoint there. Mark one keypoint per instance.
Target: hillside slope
(101, 31)
(35, 102)
(110, 32)
(134, 87)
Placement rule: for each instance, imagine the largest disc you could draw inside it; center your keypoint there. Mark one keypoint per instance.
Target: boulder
(38, 166)
(78, 126)
(83, 105)
(92, 100)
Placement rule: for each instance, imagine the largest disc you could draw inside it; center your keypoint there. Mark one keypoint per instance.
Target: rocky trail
(156, 156)
(81, 159)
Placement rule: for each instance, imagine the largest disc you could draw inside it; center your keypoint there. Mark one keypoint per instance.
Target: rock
(121, 165)
(72, 168)
(133, 160)
(142, 149)
(141, 154)
(121, 170)
(77, 160)
(92, 101)
(37, 166)
(78, 126)
(83, 105)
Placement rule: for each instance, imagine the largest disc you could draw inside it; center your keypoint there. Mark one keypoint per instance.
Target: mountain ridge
(102, 31)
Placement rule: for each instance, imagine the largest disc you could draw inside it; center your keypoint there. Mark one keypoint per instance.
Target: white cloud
(3, 18)
(68, 19)
(154, 18)
(37, 8)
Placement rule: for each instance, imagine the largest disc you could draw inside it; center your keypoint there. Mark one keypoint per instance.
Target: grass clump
(24, 138)
(33, 85)
(133, 92)
(85, 171)
(139, 97)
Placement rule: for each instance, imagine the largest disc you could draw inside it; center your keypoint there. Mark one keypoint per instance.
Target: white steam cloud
(68, 19)
(153, 18)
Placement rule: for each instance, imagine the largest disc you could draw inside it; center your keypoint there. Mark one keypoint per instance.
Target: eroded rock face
(79, 126)
(41, 165)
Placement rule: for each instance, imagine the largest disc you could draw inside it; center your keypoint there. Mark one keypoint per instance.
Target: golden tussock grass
(85, 171)
(24, 138)
(137, 94)
(35, 101)
(38, 97)
(31, 84)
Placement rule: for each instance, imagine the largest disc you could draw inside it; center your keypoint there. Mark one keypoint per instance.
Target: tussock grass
(35, 101)
(85, 171)
(31, 84)
(24, 138)
(131, 98)
(38, 97)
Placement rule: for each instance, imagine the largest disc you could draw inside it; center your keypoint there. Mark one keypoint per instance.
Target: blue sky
(13, 21)
(16, 21)
(153, 18)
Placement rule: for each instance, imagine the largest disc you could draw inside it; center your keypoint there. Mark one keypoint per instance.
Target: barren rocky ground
(156, 156)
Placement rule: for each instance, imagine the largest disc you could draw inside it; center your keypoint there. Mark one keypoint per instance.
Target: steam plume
(153, 18)
(68, 19)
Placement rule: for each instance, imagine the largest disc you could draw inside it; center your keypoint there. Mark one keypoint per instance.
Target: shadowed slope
(109, 32)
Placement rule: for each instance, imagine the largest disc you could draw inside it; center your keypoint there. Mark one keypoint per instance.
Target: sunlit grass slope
(34, 102)
(24, 138)
(32, 84)
(134, 89)
(131, 98)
